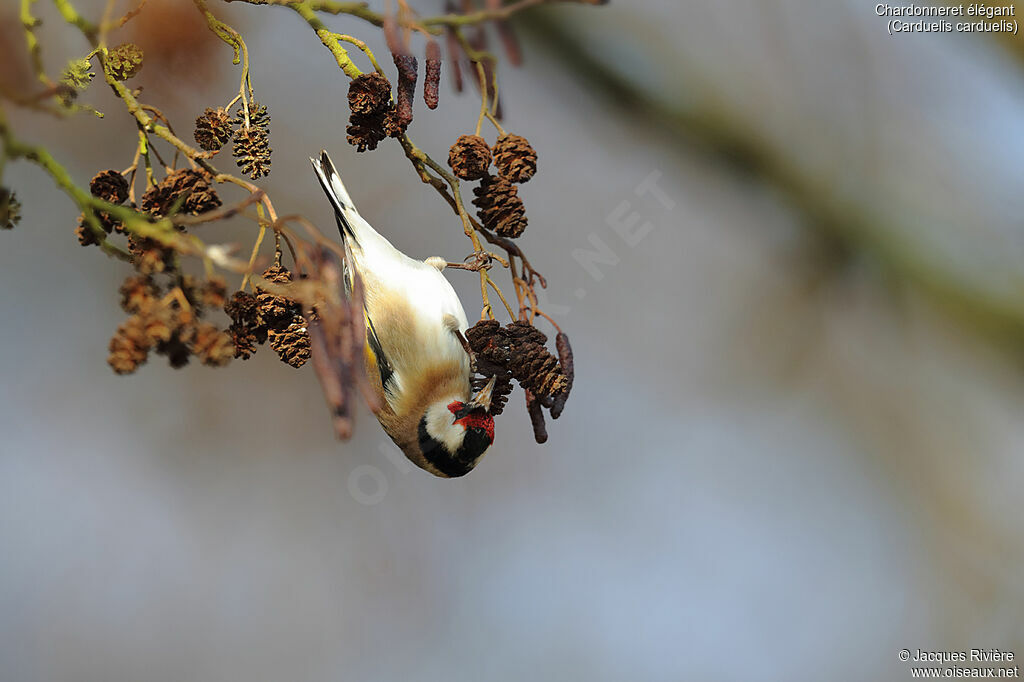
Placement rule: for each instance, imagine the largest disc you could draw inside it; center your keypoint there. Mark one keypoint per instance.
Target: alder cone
(252, 151)
(109, 185)
(537, 370)
(292, 343)
(470, 157)
(369, 93)
(515, 158)
(213, 129)
(499, 207)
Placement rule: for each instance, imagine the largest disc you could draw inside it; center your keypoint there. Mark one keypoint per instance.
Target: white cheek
(440, 426)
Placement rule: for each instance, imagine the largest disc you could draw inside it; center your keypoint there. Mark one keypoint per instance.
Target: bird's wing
(383, 364)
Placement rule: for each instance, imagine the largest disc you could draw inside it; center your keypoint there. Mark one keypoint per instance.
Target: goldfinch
(415, 352)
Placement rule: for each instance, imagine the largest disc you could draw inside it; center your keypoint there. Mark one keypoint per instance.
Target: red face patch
(476, 419)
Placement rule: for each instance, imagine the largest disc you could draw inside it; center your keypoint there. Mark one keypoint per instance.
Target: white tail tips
(334, 188)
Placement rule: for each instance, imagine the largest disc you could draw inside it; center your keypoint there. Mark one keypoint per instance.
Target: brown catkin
(454, 52)
(499, 207)
(515, 158)
(470, 157)
(511, 44)
(565, 359)
(533, 408)
(432, 75)
(407, 75)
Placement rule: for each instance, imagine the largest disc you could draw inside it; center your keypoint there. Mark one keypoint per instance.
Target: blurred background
(794, 445)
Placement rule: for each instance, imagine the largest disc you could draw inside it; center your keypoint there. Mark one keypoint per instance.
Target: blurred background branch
(688, 114)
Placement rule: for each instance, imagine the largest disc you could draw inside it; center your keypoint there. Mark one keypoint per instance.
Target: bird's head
(454, 435)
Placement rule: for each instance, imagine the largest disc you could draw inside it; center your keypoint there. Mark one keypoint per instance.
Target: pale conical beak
(482, 399)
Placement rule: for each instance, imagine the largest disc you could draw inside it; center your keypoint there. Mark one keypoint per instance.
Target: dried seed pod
(514, 351)
(184, 191)
(138, 292)
(369, 93)
(533, 408)
(365, 132)
(149, 256)
(109, 185)
(176, 351)
(393, 125)
(259, 117)
(129, 347)
(292, 342)
(489, 343)
(407, 75)
(243, 309)
(212, 346)
(10, 209)
(515, 158)
(84, 232)
(158, 323)
(432, 74)
(247, 328)
(470, 157)
(124, 61)
(499, 207)
(521, 331)
(245, 341)
(276, 311)
(213, 129)
(252, 151)
(213, 292)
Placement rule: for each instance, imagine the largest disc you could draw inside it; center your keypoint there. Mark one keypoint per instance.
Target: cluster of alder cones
(250, 130)
(181, 192)
(268, 317)
(374, 116)
(167, 316)
(499, 206)
(518, 351)
(168, 308)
